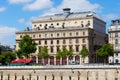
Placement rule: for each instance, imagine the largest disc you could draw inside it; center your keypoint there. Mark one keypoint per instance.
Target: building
(114, 39)
(70, 30)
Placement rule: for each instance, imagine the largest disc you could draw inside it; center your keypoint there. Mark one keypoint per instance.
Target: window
(83, 46)
(51, 49)
(83, 40)
(116, 41)
(81, 22)
(35, 25)
(58, 47)
(76, 33)
(63, 25)
(51, 41)
(39, 42)
(83, 33)
(116, 60)
(116, 34)
(45, 42)
(40, 25)
(77, 40)
(70, 41)
(45, 35)
(51, 35)
(45, 24)
(70, 34)
(64, 47)
(39, 48)
(116, 54)
(75, 22)
(70, 47)
(57, 24)
(88, 24)
(20, 36)
(33, 36)
(57, 34)
(77, 48)
(39, 35)
(57, 41)
(63, 34)
(64, 42)
(82, 25)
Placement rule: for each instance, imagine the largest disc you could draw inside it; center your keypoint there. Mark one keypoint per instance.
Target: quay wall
(68, 72)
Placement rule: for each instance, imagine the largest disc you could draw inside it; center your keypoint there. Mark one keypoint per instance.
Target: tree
(105, 51)
(0, 49)
(59, 54)
(7, 57)
(64, 53)
(27, 46)
(43, 53)
(84, 53)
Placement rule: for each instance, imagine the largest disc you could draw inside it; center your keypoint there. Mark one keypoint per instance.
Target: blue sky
(16, 15)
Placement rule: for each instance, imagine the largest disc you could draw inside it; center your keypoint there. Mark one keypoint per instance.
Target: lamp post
(116, 74)
(79, 75)
(106, 75)
(96, 75)
(87, 75)
(1, 75)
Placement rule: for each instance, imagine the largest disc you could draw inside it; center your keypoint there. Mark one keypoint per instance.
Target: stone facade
(60, 73)
(70, 30)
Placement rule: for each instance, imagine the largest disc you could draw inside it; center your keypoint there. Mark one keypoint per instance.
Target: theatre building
(73, 30)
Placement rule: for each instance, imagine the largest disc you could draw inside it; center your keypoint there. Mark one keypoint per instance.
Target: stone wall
(60, 73)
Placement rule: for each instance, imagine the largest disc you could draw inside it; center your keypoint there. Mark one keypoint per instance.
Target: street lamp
(79, 75)
(116, 74)
(96, 75)
(87, 75)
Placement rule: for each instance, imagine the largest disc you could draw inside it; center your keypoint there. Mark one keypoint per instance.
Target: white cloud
(38, 4)
(110, 17)
(76, 6)
(7, 35)
(2, 9)
(18, 1)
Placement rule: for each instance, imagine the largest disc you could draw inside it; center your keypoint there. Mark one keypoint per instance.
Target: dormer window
(81, 22)
(35, 25)
(45, 24)
(40, 25)
(75, 22)
(57, 24)
(82, 25)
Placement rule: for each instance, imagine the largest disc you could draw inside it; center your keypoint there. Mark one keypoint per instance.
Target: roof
(64, 16)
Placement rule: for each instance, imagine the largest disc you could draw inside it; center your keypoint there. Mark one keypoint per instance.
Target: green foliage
(64, 53)
(0, 49)
(43, 53)
(84, 53)
(59, 54)
(27, 46)
(7, 57)
(105, 51)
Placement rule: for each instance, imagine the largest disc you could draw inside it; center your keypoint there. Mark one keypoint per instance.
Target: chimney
(66, 11)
